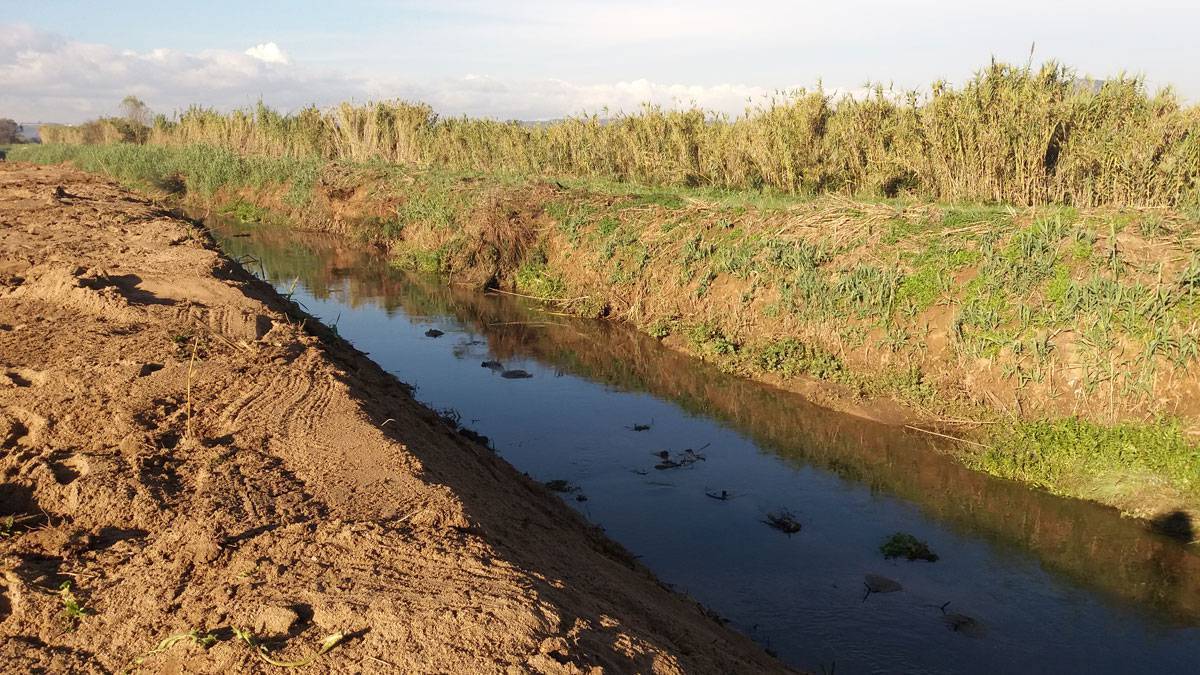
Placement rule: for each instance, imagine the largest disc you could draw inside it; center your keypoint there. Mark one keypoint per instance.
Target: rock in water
(961, 623)
(517, 374)
(876, 583)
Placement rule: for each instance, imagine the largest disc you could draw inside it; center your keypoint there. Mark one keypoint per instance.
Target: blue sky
(66, 61)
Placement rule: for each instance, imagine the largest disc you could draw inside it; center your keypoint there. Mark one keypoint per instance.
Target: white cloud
(45, 77)
(49, 78)
(268, 52)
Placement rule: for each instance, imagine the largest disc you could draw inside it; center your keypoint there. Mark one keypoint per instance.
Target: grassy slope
(1076, 330)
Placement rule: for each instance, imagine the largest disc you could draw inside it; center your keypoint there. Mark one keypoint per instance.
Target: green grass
(200, 170)
(1061, 454)
(790, 357)
(245, 212)
(435, 205)
(709, 340)
(535, 279)
(413, 260)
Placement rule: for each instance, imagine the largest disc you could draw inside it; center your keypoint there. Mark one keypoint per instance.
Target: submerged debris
(876, 583)
(517, 374)
(904, 545)
(434, 333)
(784, 521)
(961, 623)
(685, 458)
(473, 435)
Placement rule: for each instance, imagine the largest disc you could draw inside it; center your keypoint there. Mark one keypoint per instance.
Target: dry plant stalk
(190, 373)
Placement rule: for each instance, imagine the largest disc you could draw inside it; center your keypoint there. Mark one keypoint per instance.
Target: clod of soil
(268, 494)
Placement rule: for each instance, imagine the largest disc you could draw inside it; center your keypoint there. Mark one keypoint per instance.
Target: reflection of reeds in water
(1091, 544)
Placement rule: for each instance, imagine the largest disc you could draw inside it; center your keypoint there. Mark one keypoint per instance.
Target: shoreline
(190, 458)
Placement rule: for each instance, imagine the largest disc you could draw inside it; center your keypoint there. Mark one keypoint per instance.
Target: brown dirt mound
(188, 458)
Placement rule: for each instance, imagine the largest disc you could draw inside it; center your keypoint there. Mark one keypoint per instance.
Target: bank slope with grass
(194, 477)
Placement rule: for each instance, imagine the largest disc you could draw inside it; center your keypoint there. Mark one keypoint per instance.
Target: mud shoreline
(187, 456)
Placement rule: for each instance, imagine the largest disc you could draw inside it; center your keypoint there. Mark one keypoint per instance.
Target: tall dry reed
(1019, 135)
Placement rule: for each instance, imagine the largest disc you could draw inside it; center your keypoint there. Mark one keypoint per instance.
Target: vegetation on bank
(1016, 135)
(1082, 322)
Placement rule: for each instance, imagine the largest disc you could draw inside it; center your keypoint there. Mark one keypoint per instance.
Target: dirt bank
(178, 455)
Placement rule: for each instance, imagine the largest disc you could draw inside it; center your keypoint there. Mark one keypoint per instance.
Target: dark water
(1050, 585)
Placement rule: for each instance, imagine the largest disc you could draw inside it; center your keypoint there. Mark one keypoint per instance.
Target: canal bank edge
(194, 479)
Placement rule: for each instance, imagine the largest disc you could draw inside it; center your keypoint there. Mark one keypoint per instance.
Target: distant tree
(10, 131)
(134, 110)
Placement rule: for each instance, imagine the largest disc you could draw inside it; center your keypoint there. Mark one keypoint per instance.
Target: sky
(67, 61)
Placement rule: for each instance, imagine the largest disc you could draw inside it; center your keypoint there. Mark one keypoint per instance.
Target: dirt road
(192, 481)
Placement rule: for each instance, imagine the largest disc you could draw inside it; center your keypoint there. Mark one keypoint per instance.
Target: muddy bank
(181, 458)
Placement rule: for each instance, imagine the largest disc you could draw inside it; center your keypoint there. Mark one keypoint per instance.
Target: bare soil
(190, 455)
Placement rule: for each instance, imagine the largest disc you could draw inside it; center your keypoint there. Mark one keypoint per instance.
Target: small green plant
(707, 339)
(904, 545)
(535, 279)
(790, 357)
(203, 640)
(245, 212)
(73, 610)
(660, 328)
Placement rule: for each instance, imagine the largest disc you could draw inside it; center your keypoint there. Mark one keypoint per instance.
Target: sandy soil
(188, 458)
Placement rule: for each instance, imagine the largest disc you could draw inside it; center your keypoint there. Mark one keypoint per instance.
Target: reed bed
(1019, 135)
(104, 131)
